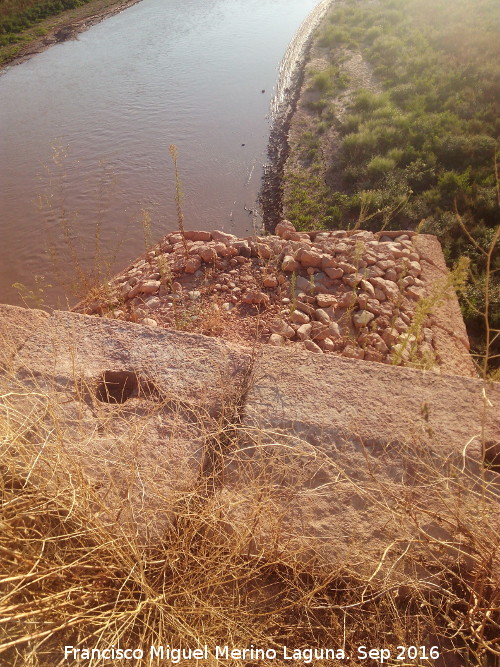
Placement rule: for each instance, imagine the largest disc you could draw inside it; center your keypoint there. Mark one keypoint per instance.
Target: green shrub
(452, 185)
(368, 101)
(476, 150)
(387, 111)
(396, 154)
(322, 81)
(351, 123)
(333, 36)
(318, 106)
(386, 48)
(380, 165)
(359, 145)
(372, 33)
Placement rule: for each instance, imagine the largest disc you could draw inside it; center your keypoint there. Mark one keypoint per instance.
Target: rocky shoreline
(271, 192)
(363, 295)
(284, 105)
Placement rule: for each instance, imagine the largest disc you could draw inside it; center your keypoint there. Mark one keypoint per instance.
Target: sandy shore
(66, 26)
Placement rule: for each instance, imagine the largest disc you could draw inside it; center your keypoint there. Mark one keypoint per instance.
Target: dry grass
(79, 565)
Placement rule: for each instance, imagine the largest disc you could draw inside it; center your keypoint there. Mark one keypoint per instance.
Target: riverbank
(283, 109)
(312, 170)
(59, 28)
(388, 135)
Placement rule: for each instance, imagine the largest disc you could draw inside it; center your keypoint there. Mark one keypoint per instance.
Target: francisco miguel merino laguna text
(178, 655)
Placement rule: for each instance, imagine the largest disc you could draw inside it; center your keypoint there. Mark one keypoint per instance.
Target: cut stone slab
(331, 448)
(135, 408)
(16, 326)
(366, 401)
(127, 461)
(449, 333)
(356, 460)
(185, 367)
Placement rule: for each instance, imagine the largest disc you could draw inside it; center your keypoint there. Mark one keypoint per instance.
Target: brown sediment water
(86, 127)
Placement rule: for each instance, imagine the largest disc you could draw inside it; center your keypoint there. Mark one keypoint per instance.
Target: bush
(386, 48)
(384, 112)
(359, 145)
(322, 81)
(367, 101)
(372, 33)
(333, 36)
(396, 154)
(475, 150)
(351, 123)
(452, 184)
(318, 106)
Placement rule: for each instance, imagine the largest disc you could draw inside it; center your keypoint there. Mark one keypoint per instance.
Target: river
(86, 127)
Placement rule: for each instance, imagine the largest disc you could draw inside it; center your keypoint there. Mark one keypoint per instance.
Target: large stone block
(188, 367)
(351, 459)
(126, 411)
(356, 461)
(449, 333)
(314, 396)
(16, 326)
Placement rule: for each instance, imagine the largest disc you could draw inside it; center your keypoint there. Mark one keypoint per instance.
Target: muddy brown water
(85, 129)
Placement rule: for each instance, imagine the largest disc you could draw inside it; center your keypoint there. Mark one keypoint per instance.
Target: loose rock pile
(349, 293)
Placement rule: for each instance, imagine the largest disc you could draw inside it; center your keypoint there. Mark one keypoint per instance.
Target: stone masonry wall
(383, 297)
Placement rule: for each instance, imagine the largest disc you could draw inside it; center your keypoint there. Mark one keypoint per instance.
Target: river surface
(85, 130)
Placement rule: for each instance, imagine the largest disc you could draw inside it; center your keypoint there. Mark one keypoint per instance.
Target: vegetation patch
(419, 140)
(29, 26)
(16, 16)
